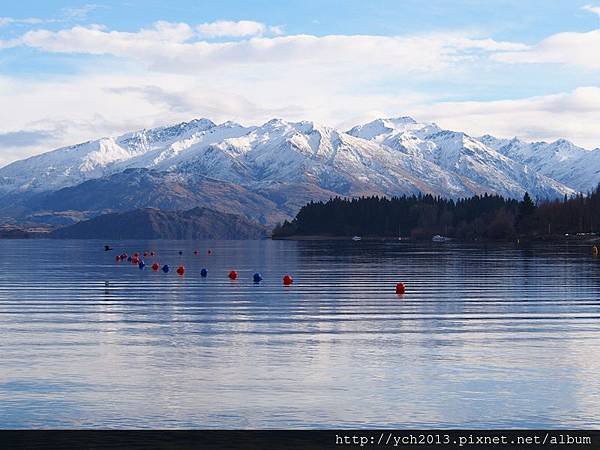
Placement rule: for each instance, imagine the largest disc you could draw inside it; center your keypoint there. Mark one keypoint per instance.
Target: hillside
(150, 223)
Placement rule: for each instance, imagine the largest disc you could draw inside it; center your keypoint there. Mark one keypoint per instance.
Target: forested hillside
(422, 216)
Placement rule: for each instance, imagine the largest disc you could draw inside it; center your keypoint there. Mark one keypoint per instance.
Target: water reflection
(496, 335)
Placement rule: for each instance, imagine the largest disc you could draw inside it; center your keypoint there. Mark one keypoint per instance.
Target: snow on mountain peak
(229, 124)
(386, 155)
(379, 129)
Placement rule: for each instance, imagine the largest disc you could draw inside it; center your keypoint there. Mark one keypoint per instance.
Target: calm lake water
(486, 336)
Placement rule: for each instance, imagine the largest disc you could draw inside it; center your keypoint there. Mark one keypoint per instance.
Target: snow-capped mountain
(302, 159)
(561, 160)
(460, 154)
(72, 165)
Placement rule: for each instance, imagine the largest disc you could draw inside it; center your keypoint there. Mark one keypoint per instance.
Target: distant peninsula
(151, 223)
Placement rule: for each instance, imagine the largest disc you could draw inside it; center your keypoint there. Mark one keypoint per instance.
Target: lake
(485, 336)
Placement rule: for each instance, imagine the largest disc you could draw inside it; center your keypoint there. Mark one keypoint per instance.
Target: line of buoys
(400, 288)
(233, 275)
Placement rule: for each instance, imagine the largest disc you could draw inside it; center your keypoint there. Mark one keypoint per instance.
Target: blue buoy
(141, 265)
(129, 259)
(204, 273)
(257, 277)
(165, 268)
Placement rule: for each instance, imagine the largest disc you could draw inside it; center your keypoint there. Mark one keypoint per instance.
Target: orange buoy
(233, 275)
(180, 270)
(287, 280)
(400, 288)
(155, 266)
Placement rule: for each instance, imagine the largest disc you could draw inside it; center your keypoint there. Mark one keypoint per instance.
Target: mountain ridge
(388, 156)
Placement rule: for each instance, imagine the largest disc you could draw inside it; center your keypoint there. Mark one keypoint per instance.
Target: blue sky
(71, 71)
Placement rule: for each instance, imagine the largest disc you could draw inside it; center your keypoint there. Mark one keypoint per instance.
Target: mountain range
(266, 173)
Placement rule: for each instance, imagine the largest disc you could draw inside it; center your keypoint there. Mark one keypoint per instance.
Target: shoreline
(588, 238)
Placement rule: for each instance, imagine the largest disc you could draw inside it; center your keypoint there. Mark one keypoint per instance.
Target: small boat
(438, 238)
(356, 238)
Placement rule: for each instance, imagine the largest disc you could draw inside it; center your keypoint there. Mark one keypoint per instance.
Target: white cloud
(171, 47)
(591, 8)
(28, 21)
(572, 115)
(242, 28)
(79, 13)
(571, 48)
(67, 15)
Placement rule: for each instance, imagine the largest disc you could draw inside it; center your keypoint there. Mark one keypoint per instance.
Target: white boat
(438, 238)
(356, 238)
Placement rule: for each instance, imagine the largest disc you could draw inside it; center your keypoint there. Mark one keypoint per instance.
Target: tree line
(423, 216)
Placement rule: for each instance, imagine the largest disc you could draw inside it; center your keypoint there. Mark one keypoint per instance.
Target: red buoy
(145, 254)
(135, 260)
(400, 288)
(155, 266)
(118, 258)
(180, 270)
(233, 275)
(287, 280)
